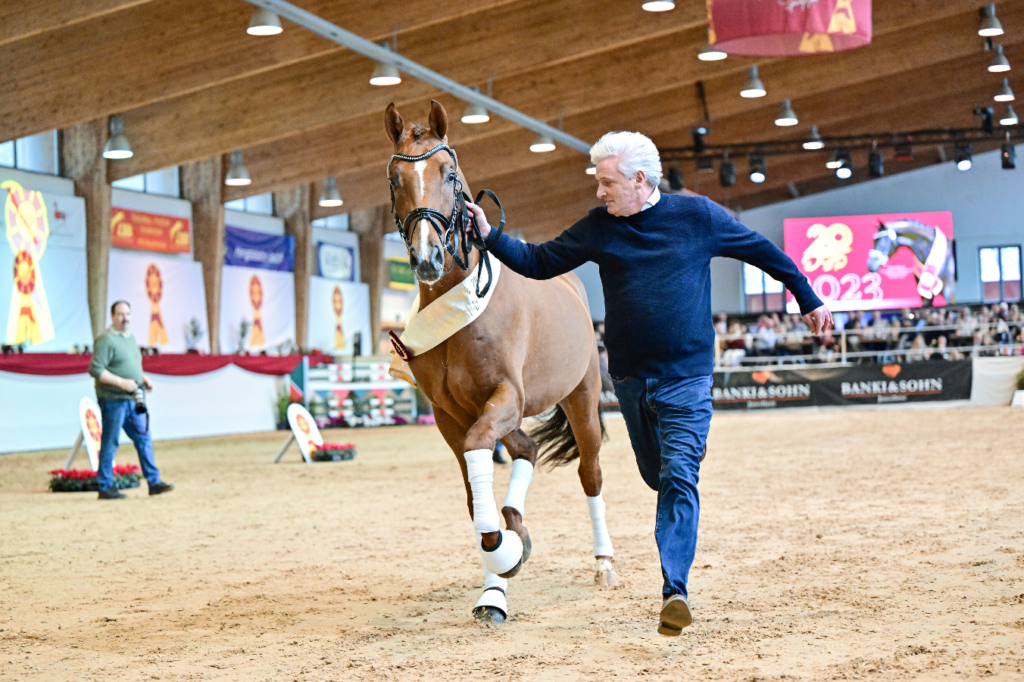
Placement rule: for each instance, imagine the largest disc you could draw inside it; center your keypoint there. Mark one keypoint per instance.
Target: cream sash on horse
(437, 322)
(928, 284)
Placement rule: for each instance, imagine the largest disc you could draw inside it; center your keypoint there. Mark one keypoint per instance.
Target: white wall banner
(337, 312)
(336, 261)
(259, 302)
(43, 299)
(167, 296)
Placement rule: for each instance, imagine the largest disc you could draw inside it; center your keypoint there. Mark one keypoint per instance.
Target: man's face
(623, 196)
(122, 317)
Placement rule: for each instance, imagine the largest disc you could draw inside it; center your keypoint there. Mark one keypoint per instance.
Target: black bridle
(458, 234)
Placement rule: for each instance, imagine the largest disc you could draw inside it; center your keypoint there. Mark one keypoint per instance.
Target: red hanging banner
(780, 28)
(149, 232)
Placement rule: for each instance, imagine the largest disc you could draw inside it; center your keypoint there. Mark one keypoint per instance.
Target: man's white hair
(636, 153)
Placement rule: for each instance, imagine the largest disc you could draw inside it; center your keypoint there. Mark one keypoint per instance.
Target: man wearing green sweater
(117, 367)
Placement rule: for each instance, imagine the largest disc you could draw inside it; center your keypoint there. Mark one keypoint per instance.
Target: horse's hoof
(527, 548)
(489, 614)
(491, 607)
(605, 575)
(505, 558)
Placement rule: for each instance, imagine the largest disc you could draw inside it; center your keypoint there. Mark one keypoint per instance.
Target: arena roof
(191, 84)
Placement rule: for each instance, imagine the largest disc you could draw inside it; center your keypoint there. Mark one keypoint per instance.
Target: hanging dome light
(787, 117)
(834, 160)
(384, 74)
(591, 170)
(990, 25)
(330, 197)
(542, 143)
(474, 113)
(758, 168)
(845, 168)
(1010, 117)
(659, 5)
(999, 62)
(117, 146)
(814, 140)
(709, 53)
(238, 174)
(754, 86)
(264, 23)
(962, 155)
(1005, 94)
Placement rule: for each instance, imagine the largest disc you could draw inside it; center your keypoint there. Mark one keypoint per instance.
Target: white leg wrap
(602, 543)
(494, 599)
(490, 579)
(480, 471)
(518, 484)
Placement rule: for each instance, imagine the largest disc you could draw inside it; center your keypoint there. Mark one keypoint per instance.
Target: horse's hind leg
(503, 551)
(582, 407)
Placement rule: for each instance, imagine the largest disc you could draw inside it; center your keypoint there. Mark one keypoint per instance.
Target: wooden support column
(294, 206)
(369, 224)
(202, 184)
(82, 151)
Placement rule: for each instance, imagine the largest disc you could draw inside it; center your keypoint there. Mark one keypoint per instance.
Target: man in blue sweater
(654, 252)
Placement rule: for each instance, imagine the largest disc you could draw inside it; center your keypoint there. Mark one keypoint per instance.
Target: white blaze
(424, 226)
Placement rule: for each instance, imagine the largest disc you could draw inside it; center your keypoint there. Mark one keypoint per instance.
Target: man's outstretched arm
(565, 252)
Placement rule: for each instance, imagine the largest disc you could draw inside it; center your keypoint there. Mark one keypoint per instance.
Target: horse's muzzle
(876, 259)
(428, 270)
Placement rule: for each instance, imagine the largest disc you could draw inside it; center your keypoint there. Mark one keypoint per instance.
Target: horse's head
(885, 245)
(425, 190)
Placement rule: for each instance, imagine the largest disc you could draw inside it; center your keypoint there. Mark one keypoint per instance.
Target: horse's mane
(906, 223)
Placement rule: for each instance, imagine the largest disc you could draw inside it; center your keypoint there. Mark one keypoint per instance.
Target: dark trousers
(668, 422)
(117, 415)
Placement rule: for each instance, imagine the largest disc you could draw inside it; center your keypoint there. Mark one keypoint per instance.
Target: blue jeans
(117, 415)
(668, 422)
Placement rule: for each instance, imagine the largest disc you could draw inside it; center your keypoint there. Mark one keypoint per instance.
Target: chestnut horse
(531, 349)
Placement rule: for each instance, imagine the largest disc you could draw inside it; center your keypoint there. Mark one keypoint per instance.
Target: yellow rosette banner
(155, 291)
(256, 337)
(28, 230)
(339, 335)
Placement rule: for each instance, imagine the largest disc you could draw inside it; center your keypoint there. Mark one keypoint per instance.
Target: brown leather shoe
(675, 615)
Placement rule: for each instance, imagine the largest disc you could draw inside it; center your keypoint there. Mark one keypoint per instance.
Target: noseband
(458, 234)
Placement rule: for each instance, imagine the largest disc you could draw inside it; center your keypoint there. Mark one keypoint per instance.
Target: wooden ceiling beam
(342, 148)
(21, 20)
(317, 92)
(154, 51)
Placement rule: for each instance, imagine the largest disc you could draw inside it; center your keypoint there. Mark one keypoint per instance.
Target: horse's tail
(555, 438)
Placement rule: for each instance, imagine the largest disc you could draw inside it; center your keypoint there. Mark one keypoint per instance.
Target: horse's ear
(393, 124)
(438, 120)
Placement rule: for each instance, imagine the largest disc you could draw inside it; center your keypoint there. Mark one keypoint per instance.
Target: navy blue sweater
(656, 271)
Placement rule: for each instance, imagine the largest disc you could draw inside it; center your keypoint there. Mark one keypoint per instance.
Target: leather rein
(458, 234)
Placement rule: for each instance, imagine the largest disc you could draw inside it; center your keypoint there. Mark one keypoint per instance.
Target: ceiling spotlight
(1008, 154)
(705, 164)
(475, 113)
(675, 178)
(384, 74)
(814, 140)
(986, 114)
(845, 169)
(727, 172)
(962, 156)
(1010, 117)
(1005, 94)
(117, 146)
(876, 163)
(833, 160)
(999, 62)
(542, 143)
(709, 53)
(990, 25)
(698, 138)
(661, 5)
(330, 197)
(786, 117)
(754, 86)
(238, 174)
(758, 168)
(591, 170)
(264, 23)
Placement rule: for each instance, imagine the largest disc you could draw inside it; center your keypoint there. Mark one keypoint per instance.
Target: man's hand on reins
(480, 218)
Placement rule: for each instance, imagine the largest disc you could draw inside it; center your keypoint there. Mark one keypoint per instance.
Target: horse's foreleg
(523, 450)
(503, 551)
(582, 407)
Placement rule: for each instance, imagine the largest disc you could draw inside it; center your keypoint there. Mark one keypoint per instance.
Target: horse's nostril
(437, 255)
(413, 260)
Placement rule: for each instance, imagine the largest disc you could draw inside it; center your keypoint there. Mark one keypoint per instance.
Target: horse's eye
(451, 176)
